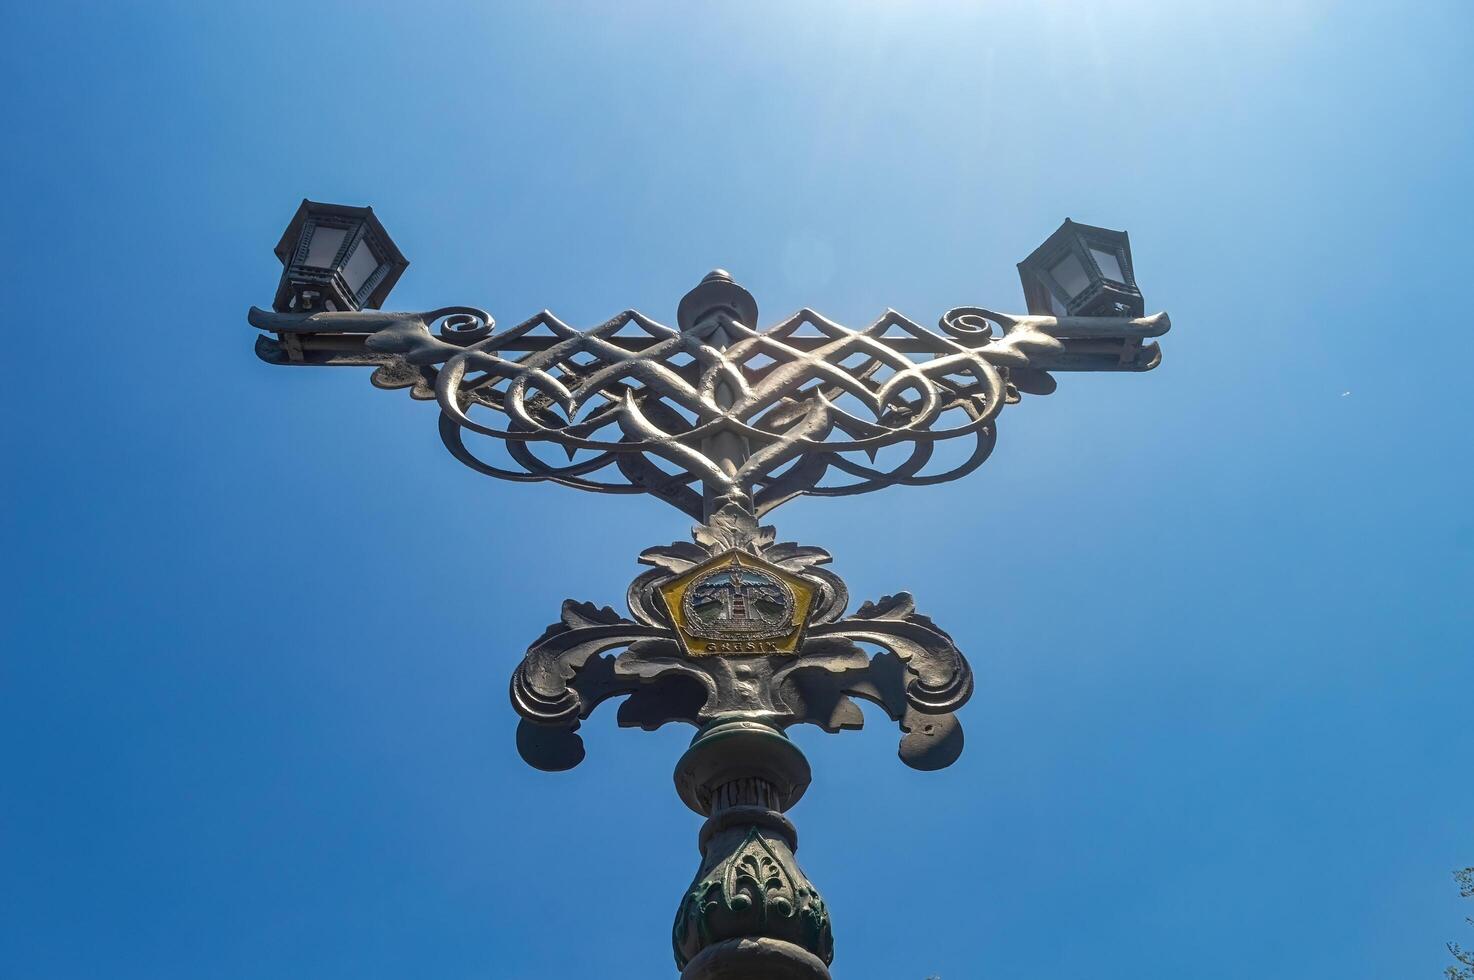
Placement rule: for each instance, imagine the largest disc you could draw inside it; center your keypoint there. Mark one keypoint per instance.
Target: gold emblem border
(674, 592)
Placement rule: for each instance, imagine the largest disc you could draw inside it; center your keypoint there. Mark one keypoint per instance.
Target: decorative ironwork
(754, 888)
(733, 632)
(918, 676)
(717, 411)
(751, 911)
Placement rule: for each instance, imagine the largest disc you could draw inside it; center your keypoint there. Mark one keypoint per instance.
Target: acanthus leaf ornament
(754, 888)
(919, 678)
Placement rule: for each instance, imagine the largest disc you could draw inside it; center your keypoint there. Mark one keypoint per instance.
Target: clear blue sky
(258, 624)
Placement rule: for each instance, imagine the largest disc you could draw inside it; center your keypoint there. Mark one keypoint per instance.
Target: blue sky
(258, 624)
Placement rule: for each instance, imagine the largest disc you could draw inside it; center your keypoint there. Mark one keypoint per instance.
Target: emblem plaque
(738, 604)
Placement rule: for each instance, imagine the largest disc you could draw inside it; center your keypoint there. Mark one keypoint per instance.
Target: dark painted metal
(750, 911)
(1096, 255)
(726, 422)
(349, 350)
(918, 678)
(327, 284)
(641, 419)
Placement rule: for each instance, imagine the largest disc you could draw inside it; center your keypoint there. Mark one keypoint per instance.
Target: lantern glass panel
(361, 264)
(1070, 273)
(324, 246)
(1055, 306)
(1109, 263)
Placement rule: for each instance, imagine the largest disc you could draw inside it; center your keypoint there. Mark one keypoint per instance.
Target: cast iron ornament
(734, 633)
(754, 416)
(918, 677)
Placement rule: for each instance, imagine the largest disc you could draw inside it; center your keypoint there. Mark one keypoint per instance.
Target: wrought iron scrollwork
(726, 421)
(733, 632)
(720, 409)
(918, 676)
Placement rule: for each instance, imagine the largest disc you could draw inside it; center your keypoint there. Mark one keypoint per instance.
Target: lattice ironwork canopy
(806, 406)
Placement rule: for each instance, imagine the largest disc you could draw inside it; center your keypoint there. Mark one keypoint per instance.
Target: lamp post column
(750, 913)
(701, 313)
(735, 632)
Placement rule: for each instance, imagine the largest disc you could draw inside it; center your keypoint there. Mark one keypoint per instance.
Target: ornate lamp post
(735, 633)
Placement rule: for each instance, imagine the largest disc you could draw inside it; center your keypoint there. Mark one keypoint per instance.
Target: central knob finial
(716, 292)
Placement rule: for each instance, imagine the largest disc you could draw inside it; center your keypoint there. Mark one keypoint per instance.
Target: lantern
(1081, 270)
(335, 257)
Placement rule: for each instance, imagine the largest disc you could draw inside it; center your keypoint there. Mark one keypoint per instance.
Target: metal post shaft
(750, 913)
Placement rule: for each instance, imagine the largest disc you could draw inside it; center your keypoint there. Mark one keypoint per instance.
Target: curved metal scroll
(634, 406)
(919, 677)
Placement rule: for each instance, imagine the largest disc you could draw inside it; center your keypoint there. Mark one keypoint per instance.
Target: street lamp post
(734, 632)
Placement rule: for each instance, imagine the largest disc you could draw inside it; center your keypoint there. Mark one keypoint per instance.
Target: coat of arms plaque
(736, 603)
